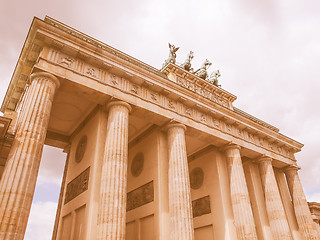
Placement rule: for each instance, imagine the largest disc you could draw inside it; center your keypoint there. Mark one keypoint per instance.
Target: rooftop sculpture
(214, 78)
(172, 55)
(201, 72)
(187, 64)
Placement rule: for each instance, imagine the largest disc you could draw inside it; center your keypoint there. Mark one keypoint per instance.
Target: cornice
(247, 115)
(314, 205)
(4, 125)
(29, 53)
(194, 109)
(83, 37)
(83, 55)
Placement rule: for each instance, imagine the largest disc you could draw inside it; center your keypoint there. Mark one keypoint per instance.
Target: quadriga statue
(214, 78)
(202, 71)
(187, 64)
(172, 55)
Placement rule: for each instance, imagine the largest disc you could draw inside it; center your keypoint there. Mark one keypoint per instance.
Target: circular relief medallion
(137, 164)
(196, 178)
(81, 148)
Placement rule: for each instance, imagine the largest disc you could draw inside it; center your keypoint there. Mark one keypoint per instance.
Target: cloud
(268, 53)
(314, 197)
(41, 221)
(51, 166)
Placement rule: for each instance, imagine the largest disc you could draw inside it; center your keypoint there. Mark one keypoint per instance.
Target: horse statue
(202, 71)
(214, 78)
(187, 63)
(172, 55)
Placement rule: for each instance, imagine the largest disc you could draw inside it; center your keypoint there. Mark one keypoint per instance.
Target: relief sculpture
(77, 186)
(140, 196)
(201, 206)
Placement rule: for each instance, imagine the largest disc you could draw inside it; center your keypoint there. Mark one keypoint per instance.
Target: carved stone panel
(81, 148)
(140, 196)
(196, 178)
(201, 206)
(137, 164)
(77, 186)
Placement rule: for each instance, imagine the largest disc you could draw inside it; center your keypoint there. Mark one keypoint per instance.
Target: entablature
(198, 85)
(65, 52)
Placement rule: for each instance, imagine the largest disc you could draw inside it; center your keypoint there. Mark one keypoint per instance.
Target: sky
(268, 53)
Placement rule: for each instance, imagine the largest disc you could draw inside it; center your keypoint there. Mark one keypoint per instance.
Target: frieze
(67, 61)
(171, 104)
(91, 72)
(114, 80)
(134, 89)
(229, 128)
(100, 45)
(123, 56)
(203, 116)
(77, 186)
(188, 111)
(211, 95)
(201, 206)
(154, 96)
(140, 196)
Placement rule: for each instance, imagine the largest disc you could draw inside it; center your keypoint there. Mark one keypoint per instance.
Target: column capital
(230, 145)
(172, 124)
(263, 158)
(119, 103)
(315, 218)
(291, 168)
(45, 75)
(67, 148)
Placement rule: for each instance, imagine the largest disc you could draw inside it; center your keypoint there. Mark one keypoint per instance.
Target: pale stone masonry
(152, 153)
(21, 171)
(112, 206)
(315, 212)
(300, 204)
(277, 216)
(241, 205)
(179, 187)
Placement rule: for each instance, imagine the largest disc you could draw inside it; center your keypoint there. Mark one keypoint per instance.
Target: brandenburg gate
(151, 154)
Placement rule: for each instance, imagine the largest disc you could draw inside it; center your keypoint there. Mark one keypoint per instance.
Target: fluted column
(276, 214)
(62, 188)
(240, 199)
(300, 204)
(113, 190)
(180, 209)
(21, 171)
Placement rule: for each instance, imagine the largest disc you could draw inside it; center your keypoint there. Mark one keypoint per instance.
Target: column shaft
(179, 185)
(300, 204)
(240, 199)
(63, 185)
(113, 190)
(276, 214)
(21, 171)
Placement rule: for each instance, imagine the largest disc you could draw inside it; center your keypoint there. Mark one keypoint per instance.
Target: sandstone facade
(152, 154)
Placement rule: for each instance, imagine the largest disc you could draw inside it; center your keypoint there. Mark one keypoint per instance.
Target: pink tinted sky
(268, 53)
